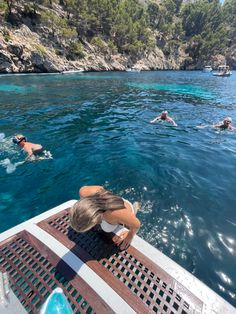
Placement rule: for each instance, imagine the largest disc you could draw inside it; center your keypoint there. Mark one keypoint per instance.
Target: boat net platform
(45, 252)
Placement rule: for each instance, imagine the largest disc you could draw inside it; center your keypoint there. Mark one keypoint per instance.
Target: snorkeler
(164, 116)
(98, 206)
(226, 124)
(32, 150)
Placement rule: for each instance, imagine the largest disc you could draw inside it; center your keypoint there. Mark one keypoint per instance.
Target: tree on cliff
(204, 26)
(229, 12)
(10, 4)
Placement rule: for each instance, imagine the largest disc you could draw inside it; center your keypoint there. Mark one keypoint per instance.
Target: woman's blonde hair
(87, 212)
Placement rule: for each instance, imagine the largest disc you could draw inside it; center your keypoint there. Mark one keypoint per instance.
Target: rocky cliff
(22, 50)
(27, 48)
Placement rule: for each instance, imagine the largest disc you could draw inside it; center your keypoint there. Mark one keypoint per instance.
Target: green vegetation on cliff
(202, 28)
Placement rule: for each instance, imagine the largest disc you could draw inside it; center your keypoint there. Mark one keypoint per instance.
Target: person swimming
(223, 125)
(164, 116)
(33, 150)
(226, 124)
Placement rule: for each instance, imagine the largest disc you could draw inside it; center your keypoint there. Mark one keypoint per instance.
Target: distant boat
(72, 71)
(223, 70)
(132, 70)
(207, 68)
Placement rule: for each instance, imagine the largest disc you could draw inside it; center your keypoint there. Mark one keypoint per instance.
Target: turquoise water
(97, 128)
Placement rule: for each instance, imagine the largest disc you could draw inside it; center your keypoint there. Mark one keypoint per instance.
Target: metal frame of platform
(44, 252)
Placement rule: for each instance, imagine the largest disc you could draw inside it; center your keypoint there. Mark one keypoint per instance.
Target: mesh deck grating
(34, 271)
(144, 285)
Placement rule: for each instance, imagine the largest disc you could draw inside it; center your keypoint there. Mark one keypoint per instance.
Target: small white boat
(72, 71)
(223, 70)
(207, 68)
(132, 70)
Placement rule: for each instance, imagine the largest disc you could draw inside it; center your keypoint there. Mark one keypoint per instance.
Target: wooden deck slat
(28, 282)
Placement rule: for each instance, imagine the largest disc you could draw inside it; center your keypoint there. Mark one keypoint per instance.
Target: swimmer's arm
(216, 126)
(131, 222)
(89, 190)
(172, 121)
(203, 126)
(154, 120)
(29, 152)
(233, 128)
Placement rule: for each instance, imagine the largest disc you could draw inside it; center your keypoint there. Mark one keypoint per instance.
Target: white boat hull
(222, 74)
(72, 72)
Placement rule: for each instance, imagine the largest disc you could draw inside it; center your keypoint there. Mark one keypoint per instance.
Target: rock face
(6, 65)
(22, 50)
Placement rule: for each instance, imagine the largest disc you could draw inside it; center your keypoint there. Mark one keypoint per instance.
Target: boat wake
(46, 154)
(10, 167)
(2, 136)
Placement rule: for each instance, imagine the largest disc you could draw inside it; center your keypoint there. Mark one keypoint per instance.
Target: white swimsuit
(107, 227)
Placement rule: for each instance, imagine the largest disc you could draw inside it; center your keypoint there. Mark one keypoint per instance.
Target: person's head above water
(225, 124)
(164, 114)
(88, 212)
(19, 138)
(227, 121)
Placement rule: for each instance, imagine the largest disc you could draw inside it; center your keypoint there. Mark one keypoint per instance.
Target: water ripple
(98, 128)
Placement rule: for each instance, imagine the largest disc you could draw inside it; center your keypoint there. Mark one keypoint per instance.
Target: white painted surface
(13, 305)
(90, 277)
(36, 219)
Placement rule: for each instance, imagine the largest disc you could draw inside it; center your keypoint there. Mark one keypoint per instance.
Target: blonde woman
(98, 206)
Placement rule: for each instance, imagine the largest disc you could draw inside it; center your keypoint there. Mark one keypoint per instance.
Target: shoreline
(98, 71)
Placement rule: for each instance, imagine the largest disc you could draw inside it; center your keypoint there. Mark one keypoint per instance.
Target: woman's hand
(123, 240)
(130, 221)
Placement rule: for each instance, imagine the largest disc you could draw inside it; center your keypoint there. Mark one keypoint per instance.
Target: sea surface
(97, 128)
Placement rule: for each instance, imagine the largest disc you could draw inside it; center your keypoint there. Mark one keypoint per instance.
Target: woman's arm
(172, 121)
(131, 222)
(29, 151)
(154, 120)
(89, 190)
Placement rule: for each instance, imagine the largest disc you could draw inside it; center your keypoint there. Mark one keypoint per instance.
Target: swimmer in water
(165, 117)
(226, 124)
(32, 150)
